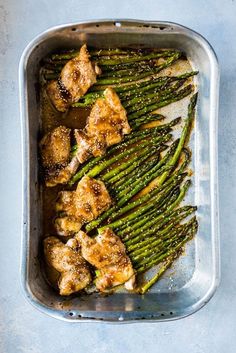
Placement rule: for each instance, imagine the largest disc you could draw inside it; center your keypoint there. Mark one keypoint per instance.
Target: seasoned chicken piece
(63, 175)
(55, 153)
(88, 145)
(106, 126)
(108, 119)
(59, 97)
(79, 74)
(107, 253)
(76, 77)
(55, 148)
(67, 226)
(86, 203)
(67, 260)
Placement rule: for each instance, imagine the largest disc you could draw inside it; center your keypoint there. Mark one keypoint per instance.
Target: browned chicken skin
(106, 126)
(76, 77)
(55, 154)
(63, 175)
(107, 253)
(108, 117)
(86, 203)
(55, 148)
(67, 260)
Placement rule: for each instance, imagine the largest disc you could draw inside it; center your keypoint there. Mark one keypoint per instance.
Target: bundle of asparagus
(149, 221)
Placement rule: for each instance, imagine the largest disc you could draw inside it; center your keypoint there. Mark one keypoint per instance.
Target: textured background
(22, 328)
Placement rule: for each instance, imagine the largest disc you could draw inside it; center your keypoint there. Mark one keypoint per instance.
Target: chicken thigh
(67, 260)
(86, 203)
(76, 77)
(107, 253)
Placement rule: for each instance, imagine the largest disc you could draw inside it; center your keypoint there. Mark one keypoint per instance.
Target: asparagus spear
(131, 59)
(97, 169)
(151, 98)
(138, 76)
(118, 180)
(130, 71)
(169, 250)
(156, 83)
(108, 59)
(128, 227)
(115, 212)
(169, 261)
(161, 219)
(166, 229)
(115, 172)
(184, 135)
(136, 185)
(173, 98)
(135, 124)
(70, 54)
(176, 177)
(112, 69)
(136, 173)
(165, 242)
(149, 176)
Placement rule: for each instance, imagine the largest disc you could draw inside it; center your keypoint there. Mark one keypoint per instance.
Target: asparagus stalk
(131, 59)
(138, 76)
(168, 229)
(70, 54)
(117, 180)
(157, 83)
(169, 249)
(97, 169)
(137, 95)
(135, 124)
(169, 261)
(95, 223)
(116, 172)
(151, 98)
(129, 226)
(136, 173)
(165, 242)
(161, 162)
(145, 198)
(112, 69)
(148, 177)
(135, 185)
(161, 219)
(125, 230)
(115, 212)
(150, 214)
(130, 71)
(171, 99)
(184, 135)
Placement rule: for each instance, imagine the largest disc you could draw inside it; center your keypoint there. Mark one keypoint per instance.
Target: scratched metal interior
(188, 284)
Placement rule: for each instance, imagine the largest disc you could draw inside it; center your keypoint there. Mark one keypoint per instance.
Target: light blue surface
(22, 328)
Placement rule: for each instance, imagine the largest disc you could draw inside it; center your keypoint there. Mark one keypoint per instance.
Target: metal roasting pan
(192, 281)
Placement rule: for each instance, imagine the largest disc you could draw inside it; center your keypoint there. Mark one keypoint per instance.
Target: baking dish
(195, 277)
